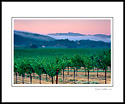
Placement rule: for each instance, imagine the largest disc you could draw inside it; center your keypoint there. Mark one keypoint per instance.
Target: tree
(102, 61)
(33, 46)
(97, 63)
(29, 69)
(39, 69)
(22, 69)
(63, 66)
(77, 63)
(68, 62)
(92, 58)
(16, 69)
(88, 65)
(51, 69)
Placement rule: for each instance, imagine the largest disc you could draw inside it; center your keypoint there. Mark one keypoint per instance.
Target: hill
(33, 40)
(23, 38)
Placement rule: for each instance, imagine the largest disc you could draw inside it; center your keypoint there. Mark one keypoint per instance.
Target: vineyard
(62, 66)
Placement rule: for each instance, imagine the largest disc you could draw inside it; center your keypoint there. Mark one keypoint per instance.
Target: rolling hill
(29, 40)
(22, 38)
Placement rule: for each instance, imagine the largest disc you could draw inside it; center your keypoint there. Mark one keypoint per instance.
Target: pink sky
(98, 26)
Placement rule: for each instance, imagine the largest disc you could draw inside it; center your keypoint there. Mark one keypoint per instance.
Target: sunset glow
(46, 26)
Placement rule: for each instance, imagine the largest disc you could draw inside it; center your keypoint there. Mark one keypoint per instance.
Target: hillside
(21, 37)
(33, 40)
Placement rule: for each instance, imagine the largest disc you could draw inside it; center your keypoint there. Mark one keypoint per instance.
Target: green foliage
(51, 68)
(38, 68)
(86, 82)
(29, 67)
(63, 63)
(50, 60)
(77, 61)
(88, 62)
(94, 82)
(15, 66)
(22, 68)
(103, 60)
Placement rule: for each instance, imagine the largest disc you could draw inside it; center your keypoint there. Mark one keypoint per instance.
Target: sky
(46, 26)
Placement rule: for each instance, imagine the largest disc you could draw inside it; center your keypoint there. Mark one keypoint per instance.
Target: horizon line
(61, 32)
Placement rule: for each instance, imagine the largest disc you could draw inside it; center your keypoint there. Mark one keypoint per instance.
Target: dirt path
(68, 79)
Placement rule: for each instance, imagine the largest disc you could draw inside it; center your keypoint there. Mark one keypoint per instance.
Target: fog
(90, 37)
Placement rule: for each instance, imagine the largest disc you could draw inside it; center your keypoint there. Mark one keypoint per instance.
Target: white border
(63, 94)
(62, 85)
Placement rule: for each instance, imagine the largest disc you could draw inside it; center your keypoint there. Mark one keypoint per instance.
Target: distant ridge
(102, 35)
(69, 34)
(77, 36)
